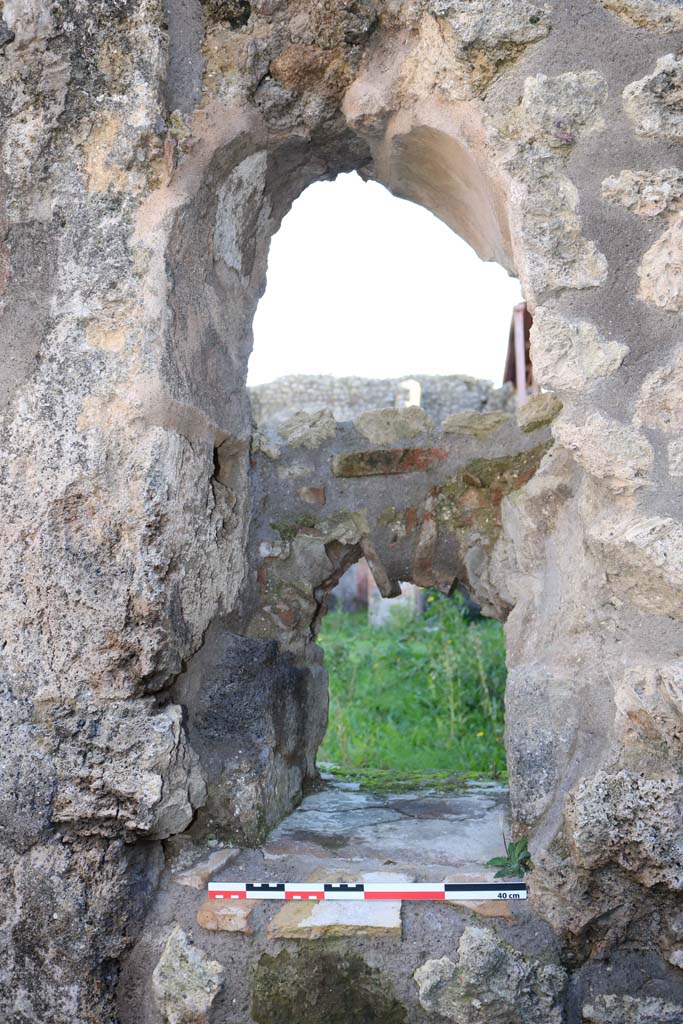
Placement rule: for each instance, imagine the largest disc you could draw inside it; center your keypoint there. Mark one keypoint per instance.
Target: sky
(363, 284)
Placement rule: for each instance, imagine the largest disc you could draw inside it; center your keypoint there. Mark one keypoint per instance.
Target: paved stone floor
(424, 831)
(344, 834)
(338, 834)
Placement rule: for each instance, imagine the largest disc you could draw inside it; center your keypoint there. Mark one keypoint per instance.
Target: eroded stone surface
(614, 452)
(619, 1009)
(392, 426)
(539, 411)
(648, 697)
(569, 355)
(308, 431)
(634, 820)
(643, 559)
(656, 15)
(645, 194)
(139, 774)
(491, 981)
(475, 424)
(557, 254)
(675, 454)
(654, 103)
(661, 269)
(660, 406)
(560, 109)
(239, 201)
(185, 981)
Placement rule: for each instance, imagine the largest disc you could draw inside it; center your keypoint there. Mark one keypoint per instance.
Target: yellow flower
(480, 734)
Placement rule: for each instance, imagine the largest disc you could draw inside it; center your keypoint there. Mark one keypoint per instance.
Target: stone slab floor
(337, 834)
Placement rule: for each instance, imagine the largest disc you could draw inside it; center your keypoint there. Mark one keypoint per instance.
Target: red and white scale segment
(367, 891)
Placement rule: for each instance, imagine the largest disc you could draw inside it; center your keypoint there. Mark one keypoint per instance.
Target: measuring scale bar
(476, 891)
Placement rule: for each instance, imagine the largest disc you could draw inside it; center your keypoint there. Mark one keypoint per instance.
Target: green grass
(419, 695)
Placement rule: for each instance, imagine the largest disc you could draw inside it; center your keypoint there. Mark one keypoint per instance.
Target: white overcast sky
(363, 284)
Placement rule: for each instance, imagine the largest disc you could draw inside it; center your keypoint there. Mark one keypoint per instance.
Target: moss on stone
(474, 498)
(388, 517)
(387, 461)
(538, 412)
(321, 985)
(480, 425)
(288, 529)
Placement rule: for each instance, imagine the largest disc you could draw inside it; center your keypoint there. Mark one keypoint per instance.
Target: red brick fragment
(387, 461)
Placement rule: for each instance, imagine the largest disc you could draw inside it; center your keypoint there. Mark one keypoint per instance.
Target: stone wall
(348, 397)
(149, 151)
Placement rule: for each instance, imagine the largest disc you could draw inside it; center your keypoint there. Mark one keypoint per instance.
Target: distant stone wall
(347, 397)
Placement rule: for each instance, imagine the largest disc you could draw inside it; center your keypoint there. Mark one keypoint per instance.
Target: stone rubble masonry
(492, 982)
(348, 397)
(158, 665)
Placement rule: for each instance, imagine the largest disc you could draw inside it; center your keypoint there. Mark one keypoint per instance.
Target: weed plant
(422, 693)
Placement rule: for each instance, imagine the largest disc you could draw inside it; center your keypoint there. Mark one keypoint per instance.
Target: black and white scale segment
(477, 891)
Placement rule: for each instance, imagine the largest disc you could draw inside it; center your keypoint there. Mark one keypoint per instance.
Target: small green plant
(515, 863)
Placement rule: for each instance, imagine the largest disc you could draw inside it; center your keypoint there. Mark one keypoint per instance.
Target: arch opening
(372, 471)
(322, 482)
